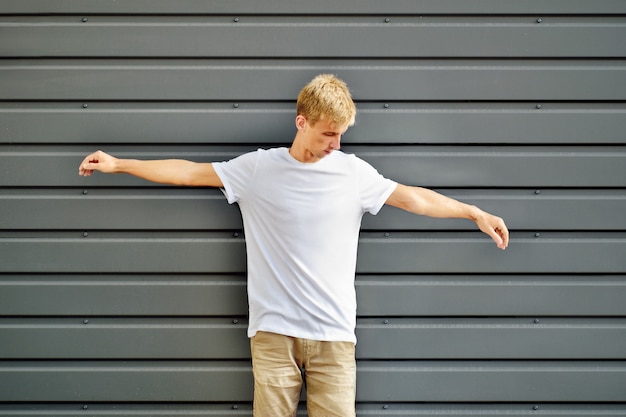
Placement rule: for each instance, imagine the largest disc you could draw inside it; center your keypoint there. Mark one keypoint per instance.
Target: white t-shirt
(301, 223)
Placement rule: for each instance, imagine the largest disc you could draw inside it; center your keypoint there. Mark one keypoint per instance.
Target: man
(302, 208)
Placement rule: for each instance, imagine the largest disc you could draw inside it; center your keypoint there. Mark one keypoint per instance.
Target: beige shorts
(279, 363)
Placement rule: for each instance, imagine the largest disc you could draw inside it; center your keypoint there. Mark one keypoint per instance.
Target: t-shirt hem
(302, 335)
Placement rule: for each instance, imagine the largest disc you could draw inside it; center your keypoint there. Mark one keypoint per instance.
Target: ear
(301, 122)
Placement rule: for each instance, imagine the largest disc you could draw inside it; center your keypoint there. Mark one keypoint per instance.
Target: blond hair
(326, 97)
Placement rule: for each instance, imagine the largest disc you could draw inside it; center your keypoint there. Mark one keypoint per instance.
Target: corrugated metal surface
(120, 297)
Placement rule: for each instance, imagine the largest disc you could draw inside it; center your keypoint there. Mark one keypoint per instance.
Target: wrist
(474, 213)
(119, 166)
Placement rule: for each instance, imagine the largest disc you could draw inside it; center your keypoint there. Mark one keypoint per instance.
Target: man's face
(322, 138)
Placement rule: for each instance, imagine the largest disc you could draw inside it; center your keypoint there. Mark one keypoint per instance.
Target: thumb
(89, 164)
(496, 237)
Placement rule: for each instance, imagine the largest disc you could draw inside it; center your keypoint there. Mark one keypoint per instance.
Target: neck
(301, 154)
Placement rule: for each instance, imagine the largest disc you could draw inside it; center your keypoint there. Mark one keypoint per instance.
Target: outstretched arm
(167, 171)
(430, 203)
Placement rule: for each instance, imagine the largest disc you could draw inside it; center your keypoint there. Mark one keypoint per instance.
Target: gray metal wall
(120, 297)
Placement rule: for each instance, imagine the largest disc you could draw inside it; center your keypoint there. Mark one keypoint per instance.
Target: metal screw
(386, 106)
(235, 321)
(85, 321)
(386, 234)
(535, 407)
(85, 192)
(85, 106)
(385, 321)
(537, 234)
(85, 234)
(538, 106)
(539, 20)
(536, 321)
(236, 105)
(537, 191)
(385, 407)
(85, 407)
(236, 20)
(85, 19)
(387, 20)
(235, 407)
(236, 234)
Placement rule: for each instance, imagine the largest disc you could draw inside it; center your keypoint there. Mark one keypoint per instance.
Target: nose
(334, 144)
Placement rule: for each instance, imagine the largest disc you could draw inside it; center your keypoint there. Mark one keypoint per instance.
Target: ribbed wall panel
(419, 79)
(206, 123)
(320, 7)
(121, 297)
(345, 37)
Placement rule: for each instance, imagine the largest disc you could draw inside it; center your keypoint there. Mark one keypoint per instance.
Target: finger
(91, 162)
(82, 168)
(505, 238)
(88, 166)
(497, 238)
(503, 234)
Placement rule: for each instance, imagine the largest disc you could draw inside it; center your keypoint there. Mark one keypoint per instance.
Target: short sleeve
(236, 175)
(374, 189)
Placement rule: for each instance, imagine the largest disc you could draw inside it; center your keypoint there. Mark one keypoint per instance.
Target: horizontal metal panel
(491, 295)
(502, 166)
(547, 253)
(193, 254)
(377, 295)
(319, 7)
(401, 339)
(497, 123)
(271, 80)
(459, 381)
(455, 166)
(378, 253)
(294, 36)
(492, 410)
(123, 295)
(393, 339)
(493, 381)
(97, 338)
(116, 410)
(202, 209)
(161, 381)
(362, 409)
(92, 209)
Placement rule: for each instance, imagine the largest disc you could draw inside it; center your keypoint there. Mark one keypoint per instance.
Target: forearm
(426, 202)
(167, 171)
(430, 203)
(434, 204)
